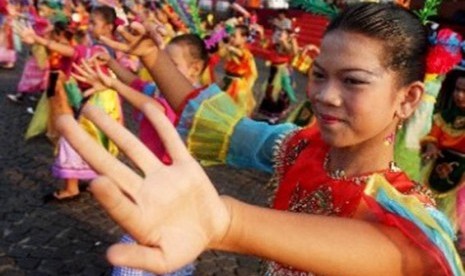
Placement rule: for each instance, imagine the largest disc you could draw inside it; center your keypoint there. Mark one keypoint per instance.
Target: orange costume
(240, 76)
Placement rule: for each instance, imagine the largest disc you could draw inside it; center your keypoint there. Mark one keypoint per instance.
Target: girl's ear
(195, 70)
(409, 97)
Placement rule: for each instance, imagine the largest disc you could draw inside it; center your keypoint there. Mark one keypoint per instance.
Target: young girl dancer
(338, 188)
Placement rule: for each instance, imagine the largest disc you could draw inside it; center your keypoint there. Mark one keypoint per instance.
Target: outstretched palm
(173, 211)
(26, 33)
(95, 77)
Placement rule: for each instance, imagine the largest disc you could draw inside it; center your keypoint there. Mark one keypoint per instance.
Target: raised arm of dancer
(121, 72)
(142, 41)
(29, 36)
(235, 51)
(175, 213)
(99, 81)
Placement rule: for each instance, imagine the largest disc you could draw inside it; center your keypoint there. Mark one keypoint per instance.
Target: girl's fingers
(88, 69)
(168, 134)
(122, 210)
(100, 159)
(82, 73)
(138, 29)
(17, 29)
(108, 81)
(94, 58)
(89, 92)
(127, 35)
(80, 78)
(125, 140)
(156, 33)
(114, 44)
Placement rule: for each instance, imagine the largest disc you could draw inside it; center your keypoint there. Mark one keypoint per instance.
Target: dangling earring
(389, 140)
(400, 124)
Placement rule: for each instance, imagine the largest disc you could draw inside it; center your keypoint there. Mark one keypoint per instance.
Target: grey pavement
(71, 238)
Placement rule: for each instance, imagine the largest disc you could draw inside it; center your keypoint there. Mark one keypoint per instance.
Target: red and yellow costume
(216, 130)
(240, 76)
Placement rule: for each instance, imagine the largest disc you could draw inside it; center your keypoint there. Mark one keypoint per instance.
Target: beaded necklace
(340, 174)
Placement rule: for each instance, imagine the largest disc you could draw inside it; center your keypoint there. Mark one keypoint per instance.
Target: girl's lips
(328, 119)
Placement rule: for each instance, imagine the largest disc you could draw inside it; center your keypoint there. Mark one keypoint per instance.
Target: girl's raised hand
(93, 75)
(174, 212)
(137, 40)
(26, 33)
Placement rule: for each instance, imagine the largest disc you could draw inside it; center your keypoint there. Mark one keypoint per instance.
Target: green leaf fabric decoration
(316, 7)
(429, 9)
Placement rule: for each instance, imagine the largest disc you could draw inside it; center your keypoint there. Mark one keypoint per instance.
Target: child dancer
(190, 56)
(72, 169)
(7, 50)
(445, 145)
(279, 89)
(240, 69)
(35, 74)
(337, 185)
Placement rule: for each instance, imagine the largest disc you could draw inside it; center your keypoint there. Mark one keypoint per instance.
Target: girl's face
(459, 93)
(354, 97)
(183, 60)
(178, 56)
(45, 11)
(98, 26)
(161, 16)
(237, 39)
(58, 38)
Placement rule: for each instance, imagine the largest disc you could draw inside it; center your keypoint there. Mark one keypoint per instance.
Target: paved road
(71, 238)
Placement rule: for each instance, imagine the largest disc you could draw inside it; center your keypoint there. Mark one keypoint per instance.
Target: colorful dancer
(338, 187)
(444, 153)
(279, 89)
(240, 69)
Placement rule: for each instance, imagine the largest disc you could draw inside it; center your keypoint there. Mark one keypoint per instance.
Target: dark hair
(445, 98)
(196, 45)
(244, 30)
(403, 36)
(107, 13)
(60, 28)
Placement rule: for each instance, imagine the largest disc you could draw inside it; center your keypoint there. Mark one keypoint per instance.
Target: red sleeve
(191, 95)
(138, 84)
(434, 135)
(79, 53)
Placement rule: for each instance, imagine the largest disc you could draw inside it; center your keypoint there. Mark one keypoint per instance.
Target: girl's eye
(317, 75)
(354, 81)
(459, 90)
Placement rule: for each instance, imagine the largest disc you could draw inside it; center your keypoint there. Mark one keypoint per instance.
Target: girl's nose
(328, 94)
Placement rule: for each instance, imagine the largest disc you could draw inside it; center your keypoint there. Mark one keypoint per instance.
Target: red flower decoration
(445, 54)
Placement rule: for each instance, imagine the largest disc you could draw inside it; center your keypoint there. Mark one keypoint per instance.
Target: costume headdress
(320, 7)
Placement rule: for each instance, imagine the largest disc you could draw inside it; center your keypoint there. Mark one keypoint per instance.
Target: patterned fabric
(216, 131)
(241, 73)
(446, 135)
(279, 93)
(34, 78)
(147, 133)
(187, 270)
(303, 185)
